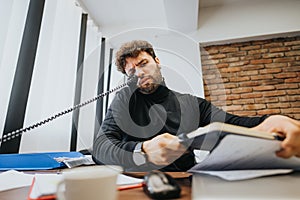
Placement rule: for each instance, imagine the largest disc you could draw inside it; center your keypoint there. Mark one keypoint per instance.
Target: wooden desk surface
(182, 178)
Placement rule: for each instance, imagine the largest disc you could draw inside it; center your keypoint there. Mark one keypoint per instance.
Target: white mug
(92, 183)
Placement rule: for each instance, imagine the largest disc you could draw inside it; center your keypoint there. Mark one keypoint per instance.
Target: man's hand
(287, 127)
(163, 149)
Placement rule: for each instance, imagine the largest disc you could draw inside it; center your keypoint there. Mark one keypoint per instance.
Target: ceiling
(181, 15)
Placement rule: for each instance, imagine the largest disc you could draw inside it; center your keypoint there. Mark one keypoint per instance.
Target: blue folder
(35, 161)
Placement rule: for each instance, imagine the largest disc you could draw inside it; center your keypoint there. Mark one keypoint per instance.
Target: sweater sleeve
(210, 113)
(109, 147)
(113, 146)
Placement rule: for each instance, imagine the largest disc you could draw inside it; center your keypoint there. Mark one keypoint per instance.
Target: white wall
(247, 19)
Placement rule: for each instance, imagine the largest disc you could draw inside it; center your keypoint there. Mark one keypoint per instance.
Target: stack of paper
(241, 157)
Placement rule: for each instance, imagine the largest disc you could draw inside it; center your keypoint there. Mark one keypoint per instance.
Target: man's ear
(157, 60)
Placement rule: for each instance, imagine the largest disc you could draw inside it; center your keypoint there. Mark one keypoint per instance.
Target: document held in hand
(238, 148)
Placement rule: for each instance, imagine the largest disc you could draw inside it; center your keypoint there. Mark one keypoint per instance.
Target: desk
(209, 187)
(272, 187)
(137, 193)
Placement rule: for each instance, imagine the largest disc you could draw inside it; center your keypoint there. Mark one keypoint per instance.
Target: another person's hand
(287, 127)
(163, 149)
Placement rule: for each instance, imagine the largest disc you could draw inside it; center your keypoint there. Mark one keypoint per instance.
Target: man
(141, 127)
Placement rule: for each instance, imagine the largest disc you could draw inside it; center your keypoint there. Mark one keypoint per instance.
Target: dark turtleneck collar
(159, 94)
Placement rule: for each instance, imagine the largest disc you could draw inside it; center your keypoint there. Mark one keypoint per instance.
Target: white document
(13, 179)
(245, 157)
(128, 180)
(237, 152)
(237, 175)
(44, 184)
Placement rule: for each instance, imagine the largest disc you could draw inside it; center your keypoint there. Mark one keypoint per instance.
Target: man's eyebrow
(144, 59)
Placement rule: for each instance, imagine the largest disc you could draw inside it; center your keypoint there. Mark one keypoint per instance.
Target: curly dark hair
(132, 49)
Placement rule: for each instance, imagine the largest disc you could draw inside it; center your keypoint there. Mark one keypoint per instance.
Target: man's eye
(143, 64)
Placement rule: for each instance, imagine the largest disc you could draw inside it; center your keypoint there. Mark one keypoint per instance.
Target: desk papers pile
(242, 157)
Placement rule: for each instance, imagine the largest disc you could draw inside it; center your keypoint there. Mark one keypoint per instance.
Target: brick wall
(254, 78)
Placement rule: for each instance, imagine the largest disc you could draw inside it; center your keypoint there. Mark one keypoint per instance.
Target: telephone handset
(17, 133)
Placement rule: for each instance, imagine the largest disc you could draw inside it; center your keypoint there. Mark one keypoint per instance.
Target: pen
(126, 187)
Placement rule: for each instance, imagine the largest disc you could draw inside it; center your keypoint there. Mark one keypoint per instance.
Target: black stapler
(158, 185)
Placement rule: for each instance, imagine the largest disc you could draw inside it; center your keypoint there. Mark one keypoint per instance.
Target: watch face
(139, 158)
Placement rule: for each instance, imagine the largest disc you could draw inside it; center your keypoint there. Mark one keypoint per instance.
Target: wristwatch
(139, 156)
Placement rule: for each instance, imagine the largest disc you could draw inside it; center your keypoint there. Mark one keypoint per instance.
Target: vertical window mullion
(79, 76)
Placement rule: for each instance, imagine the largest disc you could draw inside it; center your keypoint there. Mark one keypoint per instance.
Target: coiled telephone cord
(19, 132)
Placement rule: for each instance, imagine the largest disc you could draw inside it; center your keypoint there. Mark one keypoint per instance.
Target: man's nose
(139, 72)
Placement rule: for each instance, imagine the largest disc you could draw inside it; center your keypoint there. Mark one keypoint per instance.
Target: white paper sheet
(45, 184)
(127, 180)
(241, 157)
(237, 175)
(241, 152)
(13, 179)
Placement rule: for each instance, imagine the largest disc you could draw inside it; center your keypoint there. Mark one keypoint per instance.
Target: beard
(149, 89)
(151, 82)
